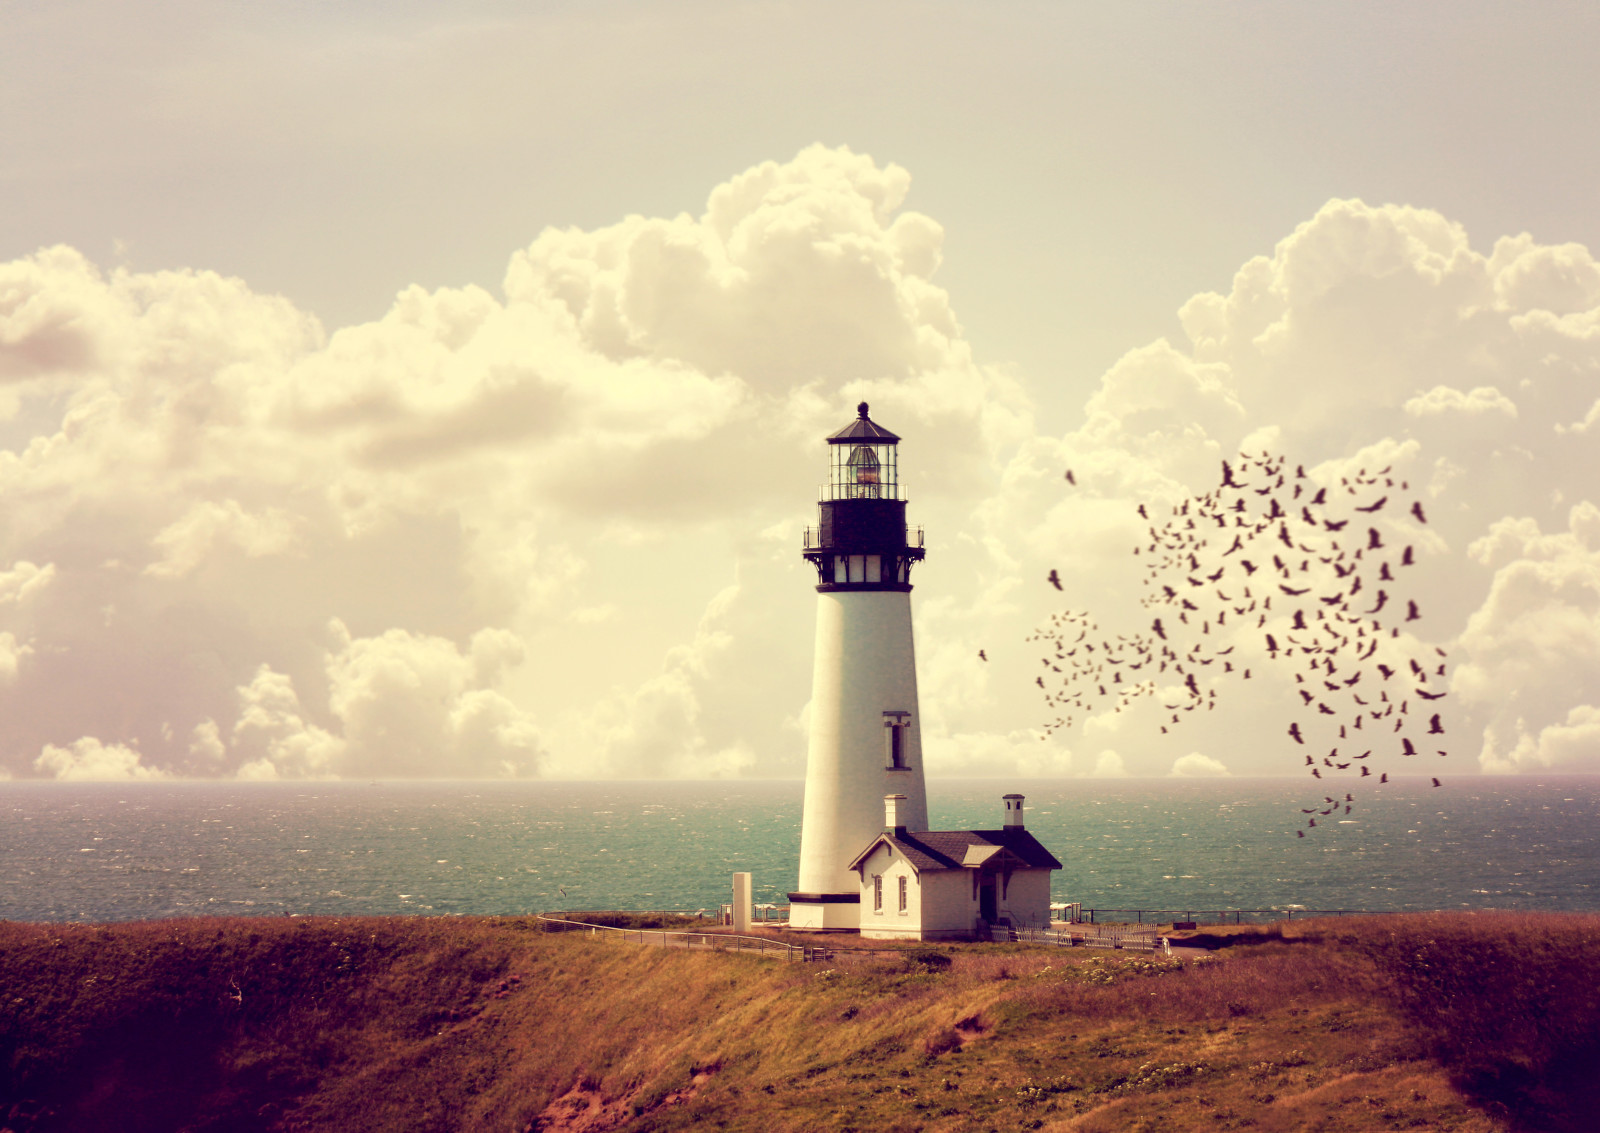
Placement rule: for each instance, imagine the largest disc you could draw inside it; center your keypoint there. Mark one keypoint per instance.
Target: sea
(99, 852)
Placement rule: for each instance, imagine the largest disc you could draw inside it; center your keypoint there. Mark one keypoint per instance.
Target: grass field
(1449, 1022)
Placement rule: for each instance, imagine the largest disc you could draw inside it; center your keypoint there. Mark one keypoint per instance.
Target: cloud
(1195, 765)
(658, 729)
(209, 477)
(271, 736)
(1533, 647)
(403, 705)
(796, 271)
(11, 655)
(23, 581)
(413, 705)
(555, 528)
(88, 758)
(1442, 399)
(206, 743)
(1109, 765)
(984, 755)
(1372, 337)
(192, 539)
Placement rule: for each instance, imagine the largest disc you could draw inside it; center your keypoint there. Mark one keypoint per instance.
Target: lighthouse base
(825, 912)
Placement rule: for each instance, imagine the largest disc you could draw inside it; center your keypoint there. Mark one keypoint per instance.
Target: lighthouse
(866, 738)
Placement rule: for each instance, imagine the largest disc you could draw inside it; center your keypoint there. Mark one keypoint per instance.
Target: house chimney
(1013, 811)
(893, 821)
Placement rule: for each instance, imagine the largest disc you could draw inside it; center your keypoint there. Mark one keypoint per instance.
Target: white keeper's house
(953, 884)
(899, 879)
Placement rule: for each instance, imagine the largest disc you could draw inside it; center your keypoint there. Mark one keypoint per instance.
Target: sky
(399, 391)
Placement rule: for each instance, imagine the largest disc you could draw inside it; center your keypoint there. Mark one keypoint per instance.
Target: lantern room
(861, 541)
(863, 464)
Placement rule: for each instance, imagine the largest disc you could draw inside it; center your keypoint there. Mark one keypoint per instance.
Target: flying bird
(1330, 634)
(1054, 578)
(1071, 479)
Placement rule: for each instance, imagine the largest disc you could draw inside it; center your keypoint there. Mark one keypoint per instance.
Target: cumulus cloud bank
(1375, 337)
(554, 531)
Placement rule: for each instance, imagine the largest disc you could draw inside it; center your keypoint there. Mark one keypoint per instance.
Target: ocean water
(108, 852)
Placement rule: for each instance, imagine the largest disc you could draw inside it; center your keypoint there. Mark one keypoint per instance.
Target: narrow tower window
(894, 725)
(903, 889)
(877, 892)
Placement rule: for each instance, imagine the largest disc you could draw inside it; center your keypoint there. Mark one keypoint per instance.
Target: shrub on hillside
(926, 960)
(1509, 1001)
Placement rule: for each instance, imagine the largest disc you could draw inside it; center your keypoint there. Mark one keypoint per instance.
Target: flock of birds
(1271, 568)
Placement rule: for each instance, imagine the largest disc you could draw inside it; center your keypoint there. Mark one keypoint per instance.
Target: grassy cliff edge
(1442, 1021)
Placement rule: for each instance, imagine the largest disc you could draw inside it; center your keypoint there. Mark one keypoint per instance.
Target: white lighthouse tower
(866, 739)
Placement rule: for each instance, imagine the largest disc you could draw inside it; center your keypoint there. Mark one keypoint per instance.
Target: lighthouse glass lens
(863, 471)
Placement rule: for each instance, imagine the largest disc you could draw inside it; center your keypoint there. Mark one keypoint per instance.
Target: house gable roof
(928, 850)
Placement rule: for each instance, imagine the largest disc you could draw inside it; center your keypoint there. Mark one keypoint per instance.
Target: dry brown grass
(444, 1024)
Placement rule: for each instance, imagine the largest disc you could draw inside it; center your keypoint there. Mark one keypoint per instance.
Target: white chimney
(893, 821)
(1013, 811)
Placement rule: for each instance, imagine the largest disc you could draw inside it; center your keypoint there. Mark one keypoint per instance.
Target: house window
(877, 892)
(904, 888)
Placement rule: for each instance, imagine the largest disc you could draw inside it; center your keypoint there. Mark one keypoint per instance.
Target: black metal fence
(778, 914)
(1213, 916)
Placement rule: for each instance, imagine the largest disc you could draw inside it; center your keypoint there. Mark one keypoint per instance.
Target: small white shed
(953, 884)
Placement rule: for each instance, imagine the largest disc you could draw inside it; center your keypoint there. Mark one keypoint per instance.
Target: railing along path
(707, 941)
(1133, 938)
(1222, 916)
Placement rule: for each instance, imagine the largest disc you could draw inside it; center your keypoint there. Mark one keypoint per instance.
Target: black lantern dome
(861, 541)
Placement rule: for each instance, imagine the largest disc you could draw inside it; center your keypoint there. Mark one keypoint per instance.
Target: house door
(986, 908)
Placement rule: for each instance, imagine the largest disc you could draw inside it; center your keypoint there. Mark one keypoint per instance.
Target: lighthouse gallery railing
(812, 539)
